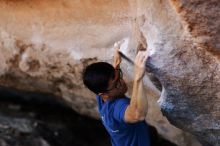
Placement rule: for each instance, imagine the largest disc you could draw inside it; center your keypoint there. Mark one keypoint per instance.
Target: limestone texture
(44, 46)
(185, 58)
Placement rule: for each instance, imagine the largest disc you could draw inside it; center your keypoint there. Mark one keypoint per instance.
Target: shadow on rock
(28, 119)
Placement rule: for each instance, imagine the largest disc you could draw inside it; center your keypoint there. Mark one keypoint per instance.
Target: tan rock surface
(184, 41)
(44, 45)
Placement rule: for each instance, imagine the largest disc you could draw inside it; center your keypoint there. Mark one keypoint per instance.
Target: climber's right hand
(139, 68)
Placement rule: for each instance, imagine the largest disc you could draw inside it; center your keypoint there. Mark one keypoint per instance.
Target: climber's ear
(104, 96)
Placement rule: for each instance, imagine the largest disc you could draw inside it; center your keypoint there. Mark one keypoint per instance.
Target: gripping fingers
(140, 61)
(117, 45)
(141, 58)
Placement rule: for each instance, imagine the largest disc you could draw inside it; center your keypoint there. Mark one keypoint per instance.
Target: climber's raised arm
(117, 56)
(138, 107)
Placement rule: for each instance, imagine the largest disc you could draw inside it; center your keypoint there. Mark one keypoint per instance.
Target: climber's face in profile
(117, 86)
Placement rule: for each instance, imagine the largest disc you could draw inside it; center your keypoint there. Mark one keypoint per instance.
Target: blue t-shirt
(121, 133)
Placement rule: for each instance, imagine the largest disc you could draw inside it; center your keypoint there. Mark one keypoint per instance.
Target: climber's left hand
(117, 56)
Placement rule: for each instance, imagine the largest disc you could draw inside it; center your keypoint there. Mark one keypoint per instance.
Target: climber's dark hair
(96, 76)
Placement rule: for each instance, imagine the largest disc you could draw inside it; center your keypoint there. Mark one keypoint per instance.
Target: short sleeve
(120, 108)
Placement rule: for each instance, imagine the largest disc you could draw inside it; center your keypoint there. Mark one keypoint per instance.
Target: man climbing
(123, 118)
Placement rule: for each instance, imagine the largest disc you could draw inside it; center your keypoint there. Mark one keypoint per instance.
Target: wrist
(138, 80)
(116, 66)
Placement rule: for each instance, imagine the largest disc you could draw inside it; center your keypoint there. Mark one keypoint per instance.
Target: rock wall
(23, 123)
(44, 46)
(184, 40)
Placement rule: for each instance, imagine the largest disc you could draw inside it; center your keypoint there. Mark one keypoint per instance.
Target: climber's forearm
(116, 64)
(139, 102)
(137, 109)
